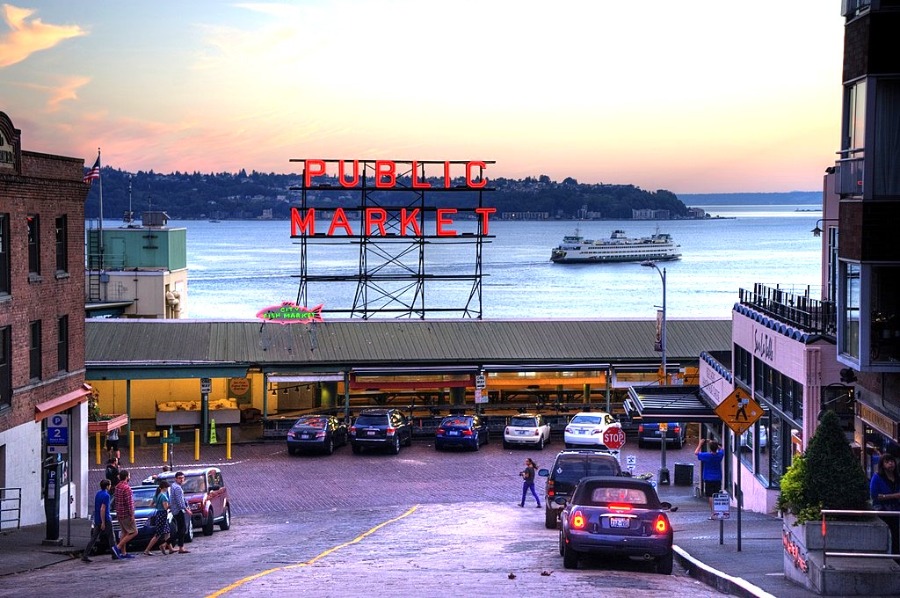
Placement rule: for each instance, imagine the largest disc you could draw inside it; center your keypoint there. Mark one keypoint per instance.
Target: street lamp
(663, 478)
(662, 334)
(817, 232)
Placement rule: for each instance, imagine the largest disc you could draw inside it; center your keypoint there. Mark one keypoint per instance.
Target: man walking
(124, 498)
(180, 512)
(102, 523)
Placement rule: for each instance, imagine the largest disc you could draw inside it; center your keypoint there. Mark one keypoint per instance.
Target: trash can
(684, 474)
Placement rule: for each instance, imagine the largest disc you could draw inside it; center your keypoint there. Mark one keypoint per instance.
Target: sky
(708, 96)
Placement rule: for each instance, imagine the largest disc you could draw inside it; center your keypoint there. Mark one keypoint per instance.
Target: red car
(207, 497)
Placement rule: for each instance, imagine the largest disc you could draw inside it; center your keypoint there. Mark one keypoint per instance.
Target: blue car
(144, 508)
(649, 433)
(464, 431)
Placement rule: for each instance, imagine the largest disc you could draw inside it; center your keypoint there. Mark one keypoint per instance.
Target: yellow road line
(318, 557)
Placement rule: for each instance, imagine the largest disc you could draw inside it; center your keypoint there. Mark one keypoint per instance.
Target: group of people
(171, 508)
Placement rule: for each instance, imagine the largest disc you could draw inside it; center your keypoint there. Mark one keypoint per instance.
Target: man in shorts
(124, 501)
(711, 474)
(112, 444)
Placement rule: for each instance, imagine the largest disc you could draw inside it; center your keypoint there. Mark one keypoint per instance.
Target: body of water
(237, 268)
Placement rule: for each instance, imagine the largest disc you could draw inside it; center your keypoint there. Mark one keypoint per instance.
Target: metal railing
(10, 502)
(868, 555)
(799, 311)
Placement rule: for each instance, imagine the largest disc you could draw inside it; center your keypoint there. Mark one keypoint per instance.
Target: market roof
(120, 348)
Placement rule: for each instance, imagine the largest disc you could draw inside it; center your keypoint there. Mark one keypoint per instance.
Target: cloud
(29, 35)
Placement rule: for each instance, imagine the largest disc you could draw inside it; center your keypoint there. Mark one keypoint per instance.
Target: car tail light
(677, 430)
(620, 508)
(506, 430)
(568, 429)
(596, 431)
(550, 491)
(320, 434)
(353, 429)
(537, 433)
(641, 429)
(661, 524)
(391, 431)
(577, 520)
(467, 432)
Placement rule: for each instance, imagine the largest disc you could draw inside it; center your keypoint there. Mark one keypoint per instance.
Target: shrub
(827, 476)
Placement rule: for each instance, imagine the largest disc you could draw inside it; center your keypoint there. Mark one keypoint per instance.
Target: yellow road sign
(739, 411)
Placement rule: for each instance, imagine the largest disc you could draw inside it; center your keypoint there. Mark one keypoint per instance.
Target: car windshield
(587, 419)
(602, 497)
(462, 422)
(371, 420)
(143, 497)
(193, 484)
(311, 422)
(572, 470)
(523, 422)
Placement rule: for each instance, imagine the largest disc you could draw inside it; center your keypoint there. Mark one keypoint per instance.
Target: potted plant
(98, 422)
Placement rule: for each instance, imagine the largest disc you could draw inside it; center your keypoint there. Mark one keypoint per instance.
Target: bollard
(99, 447)
(196, 444)
(212, 432)
(228, 443)
(165, 446)
(131, 446)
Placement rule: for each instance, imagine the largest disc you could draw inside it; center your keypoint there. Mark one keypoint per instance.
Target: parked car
(616, 516)
(465, 431)
(568, 468)
(648, 433)
(526, 429)
(207, 497)
(380, 428)
(144, 508)
(320, 433)
(586, 429)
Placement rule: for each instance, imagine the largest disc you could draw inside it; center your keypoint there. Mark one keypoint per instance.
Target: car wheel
(487, 437)
(679, 443)
(409, 439)
(329, 446)
(437, 447)
(570, 557)
(395, 447)
(477, 445)
(505, 445)
(562, 544)
(641, 443)
(541, 444)
(664, 564)
(357, 449)
(550, 518)
(208, 525)
(292, 450)
(189, 529)
(226, 520)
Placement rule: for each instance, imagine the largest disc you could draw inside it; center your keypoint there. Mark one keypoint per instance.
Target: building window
(885, 154)
(5, 367)
(884, 335)
(742, 361)
(62, 244)
(34, 244)
(34, 350)
(848, 331)
(62, 343)
(4, 255)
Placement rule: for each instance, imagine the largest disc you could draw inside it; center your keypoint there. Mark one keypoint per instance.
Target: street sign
(739, 411)
(631, 460)
(721, 505)
(205, 385)
(170, 440)
(58, 430)
(479, 381)
(614, 437)
(58, 450)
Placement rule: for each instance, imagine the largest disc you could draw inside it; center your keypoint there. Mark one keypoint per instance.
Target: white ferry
(658, 247)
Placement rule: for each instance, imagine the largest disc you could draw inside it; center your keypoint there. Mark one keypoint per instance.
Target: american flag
(93, 173)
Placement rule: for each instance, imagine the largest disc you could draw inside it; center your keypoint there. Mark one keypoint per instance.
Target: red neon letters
(375, 219)
(387, 171)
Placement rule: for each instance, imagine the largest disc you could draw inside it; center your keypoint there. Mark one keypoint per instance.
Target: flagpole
(100, 178)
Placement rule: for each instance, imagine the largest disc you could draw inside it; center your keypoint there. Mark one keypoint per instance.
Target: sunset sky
(694, 97)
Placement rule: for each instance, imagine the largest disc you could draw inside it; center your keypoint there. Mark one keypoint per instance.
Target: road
(421, 523)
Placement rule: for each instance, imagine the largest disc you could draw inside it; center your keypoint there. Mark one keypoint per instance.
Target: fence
(10, 507)
(870, 555)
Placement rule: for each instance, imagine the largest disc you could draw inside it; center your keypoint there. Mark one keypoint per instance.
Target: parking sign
(58, 430)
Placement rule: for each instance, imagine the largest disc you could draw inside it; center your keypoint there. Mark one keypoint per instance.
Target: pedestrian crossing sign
(739, 411)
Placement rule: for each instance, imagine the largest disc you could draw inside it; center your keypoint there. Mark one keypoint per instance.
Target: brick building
(41, 327)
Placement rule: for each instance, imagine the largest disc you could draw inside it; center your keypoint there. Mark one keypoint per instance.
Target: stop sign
(614, 437)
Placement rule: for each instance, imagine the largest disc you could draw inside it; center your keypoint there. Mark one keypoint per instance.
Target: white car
(526, 429)
(586, 429)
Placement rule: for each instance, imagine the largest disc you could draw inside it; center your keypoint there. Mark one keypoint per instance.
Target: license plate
(521, 432)
(306, 436)
(621, 522)
(453, 433)
(582, 431)
(371, 432)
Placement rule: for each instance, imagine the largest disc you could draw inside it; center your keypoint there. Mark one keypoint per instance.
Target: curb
(717, 579)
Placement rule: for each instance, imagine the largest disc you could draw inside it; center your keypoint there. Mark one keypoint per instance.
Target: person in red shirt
(124, 501)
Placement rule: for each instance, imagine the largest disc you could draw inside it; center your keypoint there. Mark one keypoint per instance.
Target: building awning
(311, 377)
(61, 403)
(658, 404)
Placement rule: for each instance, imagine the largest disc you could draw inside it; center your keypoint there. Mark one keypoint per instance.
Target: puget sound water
(237, 268)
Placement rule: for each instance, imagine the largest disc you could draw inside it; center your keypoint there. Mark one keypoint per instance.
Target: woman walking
(160, 521)
(885, 491)
(528, 482)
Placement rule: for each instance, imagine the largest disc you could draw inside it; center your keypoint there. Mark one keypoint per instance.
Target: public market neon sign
(403, 222)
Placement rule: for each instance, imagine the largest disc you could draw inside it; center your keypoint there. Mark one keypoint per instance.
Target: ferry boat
(658, 247)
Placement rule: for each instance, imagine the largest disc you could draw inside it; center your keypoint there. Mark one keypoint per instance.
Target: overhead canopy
(657, 404)
(61, 403)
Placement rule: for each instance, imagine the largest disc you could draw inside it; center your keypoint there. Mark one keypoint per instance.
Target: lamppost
(663, 469)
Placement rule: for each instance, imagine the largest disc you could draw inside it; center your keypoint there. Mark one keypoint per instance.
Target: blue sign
(58, 430)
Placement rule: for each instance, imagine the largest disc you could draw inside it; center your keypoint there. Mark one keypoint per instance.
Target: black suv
(568, 469)
(380, 428)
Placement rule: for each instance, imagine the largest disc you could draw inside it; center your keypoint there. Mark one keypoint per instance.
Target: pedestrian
(102, 523)
(885, 491)
(711, 470)
(527, 475)
(112, 472)
(112, 443)
(124, 501)
(160, 520)
(180, 511)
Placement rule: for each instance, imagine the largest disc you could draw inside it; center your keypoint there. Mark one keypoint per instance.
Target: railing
(850, 175)
(10, 502)
(851, 8)
(865, 555)
(800, 311)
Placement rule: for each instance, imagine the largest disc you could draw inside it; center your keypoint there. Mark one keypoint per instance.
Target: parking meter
(52, 478)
